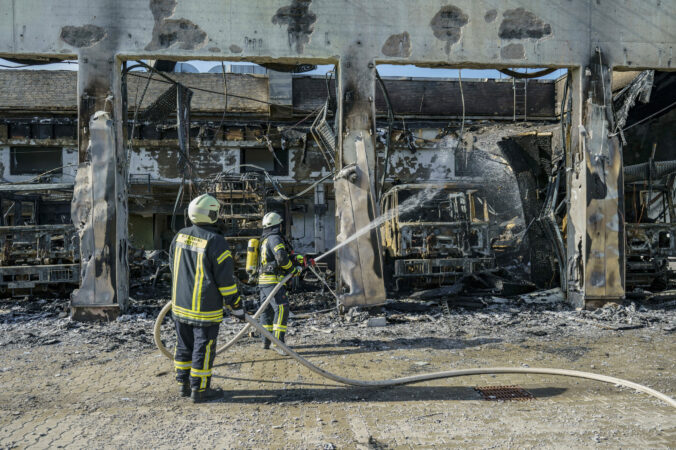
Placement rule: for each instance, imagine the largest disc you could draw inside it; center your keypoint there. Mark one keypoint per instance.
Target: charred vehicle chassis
(34, 253)
(651, 234)
(436, 233)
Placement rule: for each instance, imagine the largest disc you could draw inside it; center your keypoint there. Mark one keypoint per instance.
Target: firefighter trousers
(194, 354)
(275, 316)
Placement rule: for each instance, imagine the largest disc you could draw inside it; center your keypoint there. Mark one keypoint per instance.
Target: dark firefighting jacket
(202, 276)
(275, 262)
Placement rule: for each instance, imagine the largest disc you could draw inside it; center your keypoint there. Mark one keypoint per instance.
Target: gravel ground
(76, 384)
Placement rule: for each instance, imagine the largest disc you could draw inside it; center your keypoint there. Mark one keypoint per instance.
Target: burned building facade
(250, 159)
(135, 159)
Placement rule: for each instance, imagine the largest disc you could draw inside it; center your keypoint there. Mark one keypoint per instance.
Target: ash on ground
(437, 323)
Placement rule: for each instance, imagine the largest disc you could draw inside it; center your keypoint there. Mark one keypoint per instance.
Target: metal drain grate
(504, 393)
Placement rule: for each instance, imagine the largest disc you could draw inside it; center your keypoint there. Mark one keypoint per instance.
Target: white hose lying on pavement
(252, 322)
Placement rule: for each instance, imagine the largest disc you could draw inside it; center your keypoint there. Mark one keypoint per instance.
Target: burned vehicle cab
(651, 235)
(39, 247)
(434, 233)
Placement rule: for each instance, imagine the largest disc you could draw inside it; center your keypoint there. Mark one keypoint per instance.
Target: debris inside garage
(503, 160)
(27, 324)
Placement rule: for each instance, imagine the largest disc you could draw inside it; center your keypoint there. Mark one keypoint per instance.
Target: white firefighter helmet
(271, 219)
(203, 209)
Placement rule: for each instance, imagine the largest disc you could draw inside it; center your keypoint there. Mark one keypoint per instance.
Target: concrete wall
(431, 158)
(632, 33)
(303, 234)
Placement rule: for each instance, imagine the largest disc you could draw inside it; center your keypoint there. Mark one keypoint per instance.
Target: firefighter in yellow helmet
(202, 284)
(276, 261)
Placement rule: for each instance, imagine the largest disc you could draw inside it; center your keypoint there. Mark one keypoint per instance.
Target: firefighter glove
(237, 313)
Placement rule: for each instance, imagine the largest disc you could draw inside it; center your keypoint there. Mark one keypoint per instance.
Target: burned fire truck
(39, 248)
(650, 227)
(435, 233)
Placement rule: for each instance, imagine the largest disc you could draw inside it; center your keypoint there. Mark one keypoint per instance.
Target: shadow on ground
(366, 346)
(351, 394)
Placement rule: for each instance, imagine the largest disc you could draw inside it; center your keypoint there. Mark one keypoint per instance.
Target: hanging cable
(5, 66)
(225, 96)
(462, 124)
(195, 88)
(643, 120)
(388, 142)
(538, 74)
(37, 177)
(179, 198)
(278, 188)
(569, 80)
(168, 79)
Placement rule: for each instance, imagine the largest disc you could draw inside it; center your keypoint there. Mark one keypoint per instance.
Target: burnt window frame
(280, 170)
(15, 170)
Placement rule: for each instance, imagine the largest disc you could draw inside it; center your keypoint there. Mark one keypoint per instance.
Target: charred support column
(99, 208)
(576, 196)
(320, 209)
(596, 253)
(359, 263)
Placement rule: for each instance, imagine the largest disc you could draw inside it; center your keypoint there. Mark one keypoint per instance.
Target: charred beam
(596, 244)
(99, 208)
(359, 263)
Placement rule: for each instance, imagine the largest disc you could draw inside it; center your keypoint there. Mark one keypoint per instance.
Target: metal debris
(377, 322)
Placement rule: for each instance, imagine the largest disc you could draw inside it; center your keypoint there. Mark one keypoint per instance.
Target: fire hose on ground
(253, 323)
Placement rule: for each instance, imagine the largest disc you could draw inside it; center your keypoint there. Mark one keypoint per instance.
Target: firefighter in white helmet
(276, 261)
(202, 284)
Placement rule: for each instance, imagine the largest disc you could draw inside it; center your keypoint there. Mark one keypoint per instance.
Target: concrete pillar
(596, 247)
(99, 207)
(359, 263)
(576, 241)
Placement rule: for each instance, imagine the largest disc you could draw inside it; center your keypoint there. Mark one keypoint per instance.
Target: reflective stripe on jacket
(275, 261)
(202, 276)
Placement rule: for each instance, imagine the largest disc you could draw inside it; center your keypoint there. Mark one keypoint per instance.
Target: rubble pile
(149, 273)
(511, 320)
(32, 323)
(619, 317)
(36, 322)
(479, 289)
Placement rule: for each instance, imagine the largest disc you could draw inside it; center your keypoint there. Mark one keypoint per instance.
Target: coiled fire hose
(252, 322)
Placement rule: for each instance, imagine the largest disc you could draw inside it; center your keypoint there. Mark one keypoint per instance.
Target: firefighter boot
(184, 388)
(206, 395)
